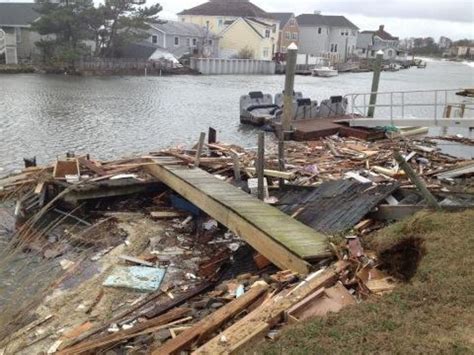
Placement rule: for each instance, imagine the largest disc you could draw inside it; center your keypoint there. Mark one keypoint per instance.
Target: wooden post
(375, 83)
(281, 158)
(236, 163)
(288, 114)
(463, 110)
(200, 146)
(212, 139)
(261, 165)
(415, 179)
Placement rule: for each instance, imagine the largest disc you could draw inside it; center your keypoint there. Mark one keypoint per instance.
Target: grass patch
(433, 312)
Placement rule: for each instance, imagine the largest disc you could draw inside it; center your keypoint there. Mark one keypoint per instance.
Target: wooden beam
(253, 326)
(273, 173)
(398, 212)
(211, 323)
(260, 165)
(255, 236)
(200, 146)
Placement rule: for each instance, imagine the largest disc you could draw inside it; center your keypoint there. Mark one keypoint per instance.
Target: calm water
(112, 117)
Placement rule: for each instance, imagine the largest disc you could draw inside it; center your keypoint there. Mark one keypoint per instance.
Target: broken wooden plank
(273, 173)
(136, 260)
(252, 327)
(114, 338)
(457, 172)
(91, 166)
(168, 214)
(211, 323)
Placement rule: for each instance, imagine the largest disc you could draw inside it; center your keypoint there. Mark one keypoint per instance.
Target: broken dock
(287, 243)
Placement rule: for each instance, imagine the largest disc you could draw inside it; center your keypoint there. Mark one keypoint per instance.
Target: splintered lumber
(273, 173)
(212, 322)
(254, 326)
(415, 179)
(114, 338)
(91, 166)
(451, 174)
(284, 241)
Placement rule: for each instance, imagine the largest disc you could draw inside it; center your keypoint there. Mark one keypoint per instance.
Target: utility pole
(291, 56)
(375, 83)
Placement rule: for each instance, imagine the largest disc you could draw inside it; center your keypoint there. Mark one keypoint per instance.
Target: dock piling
(291, 57)
(375, 83)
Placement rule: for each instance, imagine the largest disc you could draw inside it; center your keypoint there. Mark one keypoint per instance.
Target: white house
(327, 36)
(370, 42)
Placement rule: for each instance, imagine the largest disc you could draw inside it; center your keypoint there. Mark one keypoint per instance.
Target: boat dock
(284, 241)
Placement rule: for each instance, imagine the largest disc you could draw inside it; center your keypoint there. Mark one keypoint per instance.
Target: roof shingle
(237, 8)
(323, 20)
(17, 14)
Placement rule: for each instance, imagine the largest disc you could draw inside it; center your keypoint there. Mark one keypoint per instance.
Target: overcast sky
(403, 18)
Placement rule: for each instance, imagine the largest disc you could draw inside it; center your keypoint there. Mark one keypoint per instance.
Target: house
(462, 51)
(370, 42)
(180, 38)
(289, 31)
(333, 37)
(239, 24)
(18, 40)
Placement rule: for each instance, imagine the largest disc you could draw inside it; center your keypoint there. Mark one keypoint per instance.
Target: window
(342, 33)
(288, 35)
(333, 47)
(220, 22)
(295, 36)
(176, 41)
(154, 39)
(363, 50)
(188, 42)
(267, 33)
(372, 53)
(347, 33)
(194, 42)
(210, 42)
(266, 52)
(319, 30)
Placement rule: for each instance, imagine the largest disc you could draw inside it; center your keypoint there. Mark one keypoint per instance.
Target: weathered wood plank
(247, 217)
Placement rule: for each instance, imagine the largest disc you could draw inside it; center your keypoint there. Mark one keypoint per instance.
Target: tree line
(70, 27)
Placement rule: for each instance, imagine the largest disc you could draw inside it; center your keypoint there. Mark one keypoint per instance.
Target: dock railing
(432, 104)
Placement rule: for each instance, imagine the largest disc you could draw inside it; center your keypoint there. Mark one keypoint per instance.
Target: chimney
(317, 12)
(381, 27)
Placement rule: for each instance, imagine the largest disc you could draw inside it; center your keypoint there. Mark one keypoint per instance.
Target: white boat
(325, 72)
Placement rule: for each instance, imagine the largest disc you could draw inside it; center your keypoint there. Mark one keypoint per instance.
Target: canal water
(47, 115)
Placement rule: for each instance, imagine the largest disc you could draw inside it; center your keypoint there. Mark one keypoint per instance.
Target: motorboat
(324, 71)
(257, 108)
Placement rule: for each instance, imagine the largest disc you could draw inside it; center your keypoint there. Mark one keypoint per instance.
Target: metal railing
(416, 103)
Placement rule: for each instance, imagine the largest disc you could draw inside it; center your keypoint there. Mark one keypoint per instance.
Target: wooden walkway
(283, 240)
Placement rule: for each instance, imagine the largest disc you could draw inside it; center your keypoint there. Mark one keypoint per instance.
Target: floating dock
(284, 241)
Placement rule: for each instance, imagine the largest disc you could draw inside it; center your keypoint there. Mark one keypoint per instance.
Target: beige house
(239, 24)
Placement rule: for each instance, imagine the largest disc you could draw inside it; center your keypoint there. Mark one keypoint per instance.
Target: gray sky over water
(403, 18)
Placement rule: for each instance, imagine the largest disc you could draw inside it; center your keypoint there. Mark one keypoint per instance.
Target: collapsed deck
(287, 243)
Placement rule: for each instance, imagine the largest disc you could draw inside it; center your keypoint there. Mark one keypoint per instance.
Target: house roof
(142, 50)
(249, 22)
(323, 20)
(237, 8)
(382, 34)
(282, 17)
(18, 14)
(180, 28)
